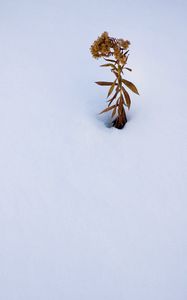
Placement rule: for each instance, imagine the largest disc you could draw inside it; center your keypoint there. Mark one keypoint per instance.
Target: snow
(88, 212)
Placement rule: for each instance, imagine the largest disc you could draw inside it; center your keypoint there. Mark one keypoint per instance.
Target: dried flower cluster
(106, 46)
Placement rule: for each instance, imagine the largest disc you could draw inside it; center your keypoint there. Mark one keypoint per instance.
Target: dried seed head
(106, 46)
(123, 44)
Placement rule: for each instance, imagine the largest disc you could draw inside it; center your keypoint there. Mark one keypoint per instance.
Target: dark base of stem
(119, 124)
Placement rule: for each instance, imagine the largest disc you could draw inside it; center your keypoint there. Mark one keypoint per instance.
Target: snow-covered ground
(88, 212)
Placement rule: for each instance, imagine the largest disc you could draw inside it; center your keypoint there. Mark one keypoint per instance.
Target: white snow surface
(86, 211)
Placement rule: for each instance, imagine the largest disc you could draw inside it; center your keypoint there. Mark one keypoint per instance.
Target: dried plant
(106, 46)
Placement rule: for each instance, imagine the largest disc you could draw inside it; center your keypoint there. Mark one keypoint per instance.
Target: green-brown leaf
(108, 65)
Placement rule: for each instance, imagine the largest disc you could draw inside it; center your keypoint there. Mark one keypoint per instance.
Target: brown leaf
(130, 85)
(104, 83)
(107, 109)
(110, 102)
(111, 88)
(117, 91)
(114, 111)
(127, 98)
(108, 65)
(111, 60)
(115, 73)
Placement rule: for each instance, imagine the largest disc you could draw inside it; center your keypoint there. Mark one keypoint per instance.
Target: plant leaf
(115, 73)
(117, 91)
(111, 60)
(104, 83)
(118, 76)
(128, 69)
(127, 98)
(108, 65)
(107, 109)
(131, 86)
(112, 99)
(111, 88)
(114, 111)
(121, 102)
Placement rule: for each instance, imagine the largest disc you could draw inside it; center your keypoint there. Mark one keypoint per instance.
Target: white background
(88, 212)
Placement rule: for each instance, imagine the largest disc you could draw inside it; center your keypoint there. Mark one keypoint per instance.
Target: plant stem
(121, 119)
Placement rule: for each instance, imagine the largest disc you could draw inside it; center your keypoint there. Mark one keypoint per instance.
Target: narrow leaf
(128, 69)
(111, 60)
(108, 65)
(127, 97)
(104, 83)
(114, 111)
(111, 89)
(115, 73)
(117, 91)
(107, 109)
(131, 86)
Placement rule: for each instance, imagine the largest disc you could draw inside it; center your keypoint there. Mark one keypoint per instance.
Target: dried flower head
(106, 46)
(101, 47)
(123, 44)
